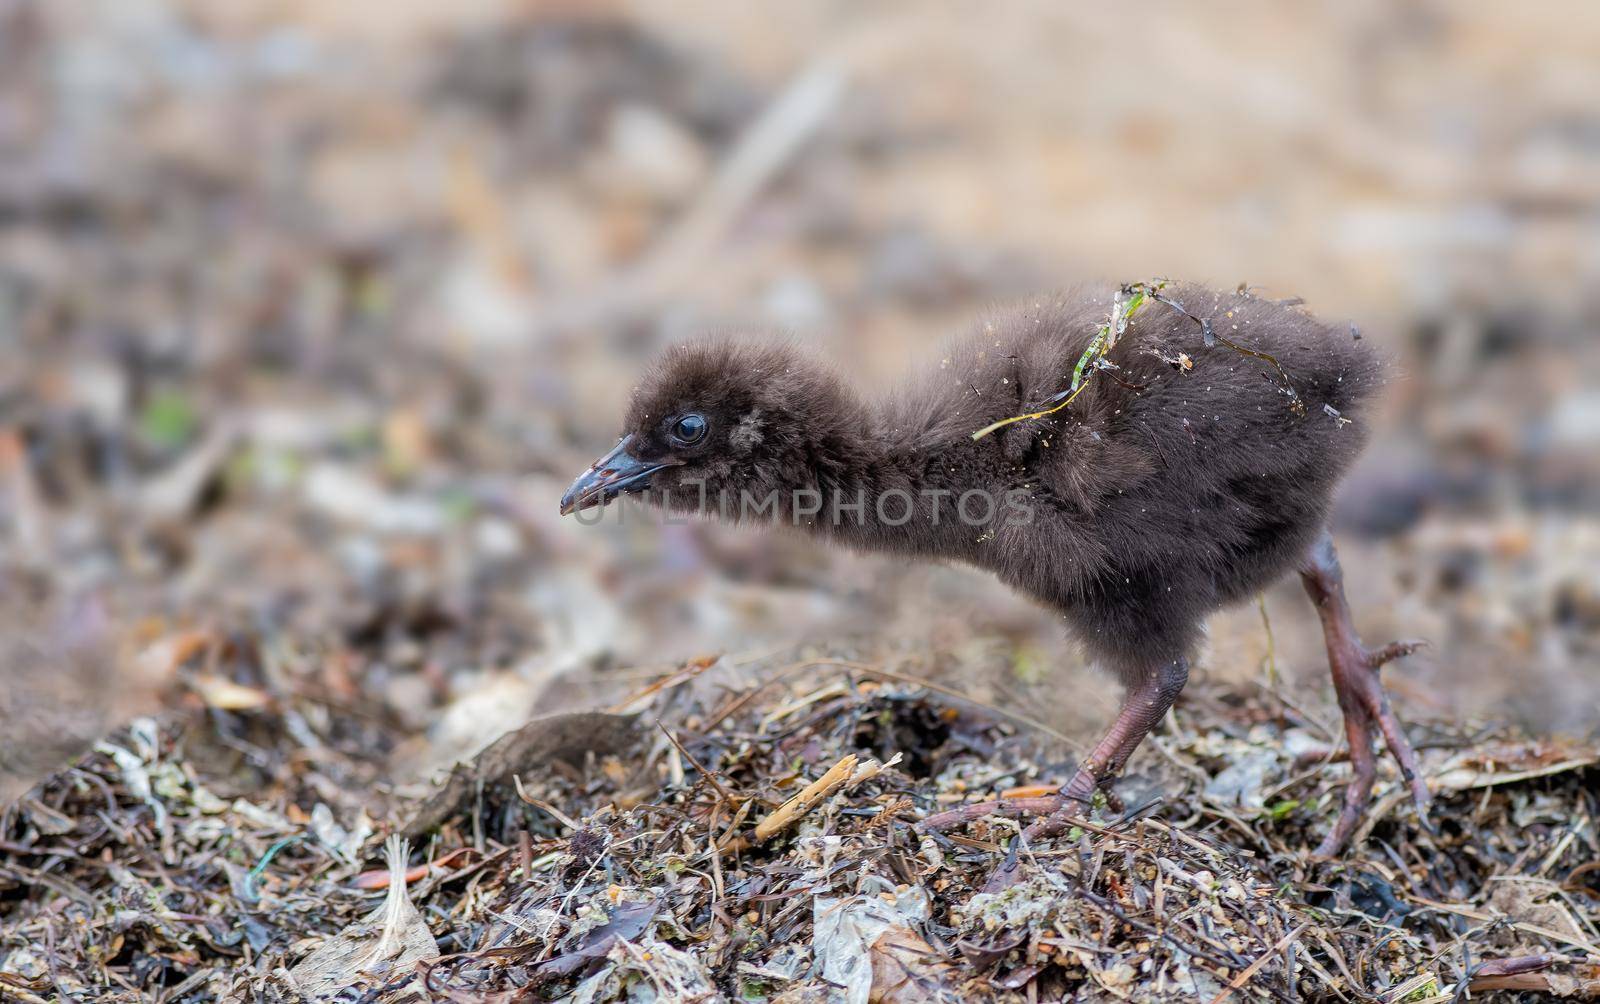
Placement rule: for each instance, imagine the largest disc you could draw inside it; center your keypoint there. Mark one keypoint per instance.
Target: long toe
(1379, 658)
(1058, 821)
(1010, 870)
(1358, 794)
(1013, 808)
(1113, 800)
(1405, 755)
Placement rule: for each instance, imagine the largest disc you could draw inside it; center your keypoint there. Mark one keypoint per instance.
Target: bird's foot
(1068, 811)
(1069, 799)
(1144, 705)
(1366, 715)
(1055, 813)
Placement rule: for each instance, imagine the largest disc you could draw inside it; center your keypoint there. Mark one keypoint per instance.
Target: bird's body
(1182, 480)
(1194, 464)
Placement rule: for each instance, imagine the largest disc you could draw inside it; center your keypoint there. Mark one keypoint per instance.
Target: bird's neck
(867, 491)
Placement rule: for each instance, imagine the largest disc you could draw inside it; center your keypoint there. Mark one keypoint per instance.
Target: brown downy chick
(1195, 466)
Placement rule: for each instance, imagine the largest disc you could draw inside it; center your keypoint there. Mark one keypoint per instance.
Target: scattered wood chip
(809, 798)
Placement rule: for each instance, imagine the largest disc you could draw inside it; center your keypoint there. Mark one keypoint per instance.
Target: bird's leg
(1142, 709)
(1147, 702)
(1361, 695)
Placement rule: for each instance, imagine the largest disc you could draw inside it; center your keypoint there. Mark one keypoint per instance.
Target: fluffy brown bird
(1194, 464)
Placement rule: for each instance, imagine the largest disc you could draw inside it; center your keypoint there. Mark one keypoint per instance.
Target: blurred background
(309, 312)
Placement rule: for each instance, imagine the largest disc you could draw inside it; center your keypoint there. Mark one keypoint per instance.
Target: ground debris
(634, 871)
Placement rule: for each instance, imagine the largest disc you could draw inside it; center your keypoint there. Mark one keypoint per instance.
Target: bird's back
(1188, 472)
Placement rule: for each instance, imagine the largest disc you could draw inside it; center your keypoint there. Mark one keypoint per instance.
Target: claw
(1426, 821)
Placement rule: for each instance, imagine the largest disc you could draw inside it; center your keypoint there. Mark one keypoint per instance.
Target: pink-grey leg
(1361, 696)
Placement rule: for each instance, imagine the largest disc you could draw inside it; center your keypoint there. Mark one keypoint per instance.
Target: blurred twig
(798, 112)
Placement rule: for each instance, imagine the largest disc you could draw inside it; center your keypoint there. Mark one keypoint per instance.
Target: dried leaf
(906, 969)
(868, 946)
(627, 922)
(1505, 763)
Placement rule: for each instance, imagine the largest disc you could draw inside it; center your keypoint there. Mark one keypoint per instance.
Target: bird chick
(1191, 463)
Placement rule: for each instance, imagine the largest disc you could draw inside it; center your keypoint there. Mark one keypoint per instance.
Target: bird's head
(722, 419)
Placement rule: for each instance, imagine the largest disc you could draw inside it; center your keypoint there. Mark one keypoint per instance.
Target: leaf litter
(762, 845)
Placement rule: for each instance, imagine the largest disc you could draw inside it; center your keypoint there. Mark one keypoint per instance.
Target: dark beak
(612, 475)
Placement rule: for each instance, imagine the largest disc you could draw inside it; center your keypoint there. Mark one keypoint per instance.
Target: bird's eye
(689, 430)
